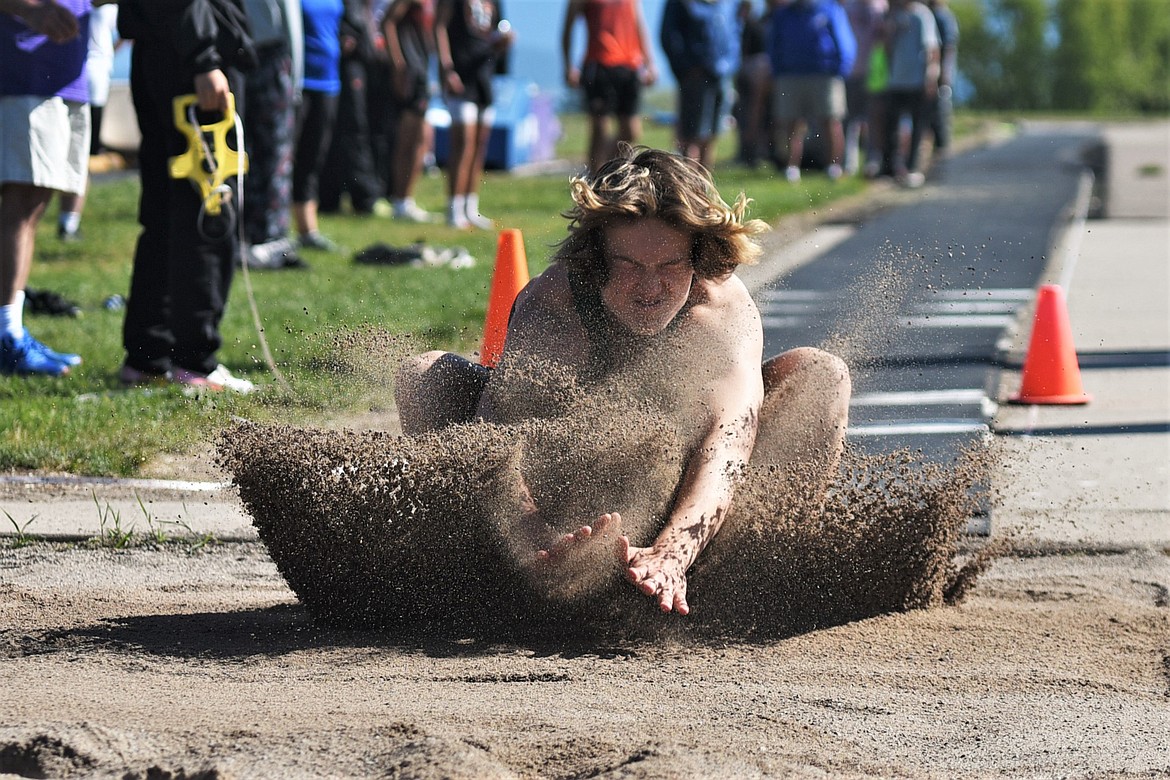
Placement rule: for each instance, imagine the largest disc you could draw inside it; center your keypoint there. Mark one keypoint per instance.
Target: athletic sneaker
(912, 179)
(130, 376)
(227, 381)
(409, 211)
(26, 356)
(834, 172)
(457, 219)
(216, 382)
(68, 236)
(479, 221)
(314, 240)
(792, 174)
(68, 358)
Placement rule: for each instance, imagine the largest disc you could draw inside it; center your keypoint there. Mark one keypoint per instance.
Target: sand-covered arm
(711, 475)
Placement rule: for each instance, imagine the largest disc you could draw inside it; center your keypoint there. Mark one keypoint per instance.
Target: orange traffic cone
(508, 280)
(1051, 372)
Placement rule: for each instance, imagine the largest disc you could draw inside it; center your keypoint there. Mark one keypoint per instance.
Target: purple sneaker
(25, 356)
(132, 377)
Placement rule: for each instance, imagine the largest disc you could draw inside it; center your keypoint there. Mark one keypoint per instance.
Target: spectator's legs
(916, 105)
(836, 141)
(21, 209)
(601, 142)
(315, 127)
(876, 131)
(483, 132)
(794, 132)
(629, 128)
(459, 161)
(268, 134)
(410, 147)
(897, 102)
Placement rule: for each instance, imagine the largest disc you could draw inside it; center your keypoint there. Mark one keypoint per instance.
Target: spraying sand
(371, 529)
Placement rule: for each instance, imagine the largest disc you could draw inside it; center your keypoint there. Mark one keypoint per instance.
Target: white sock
(473, 204)
(12, 317)
(70, 221)
(457, 211)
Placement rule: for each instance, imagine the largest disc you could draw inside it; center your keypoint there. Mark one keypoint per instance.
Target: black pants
(269, 140)
(350, 164)
(900, 102)
(315, 120)
(181, 276)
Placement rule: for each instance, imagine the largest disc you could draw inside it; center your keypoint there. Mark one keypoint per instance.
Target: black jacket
(205, 34)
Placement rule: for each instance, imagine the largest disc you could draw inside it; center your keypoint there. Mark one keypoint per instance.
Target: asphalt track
(926, 292)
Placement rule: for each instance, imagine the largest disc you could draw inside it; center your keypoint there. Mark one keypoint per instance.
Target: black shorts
(477, 85)
(611, 90)
(417, 96)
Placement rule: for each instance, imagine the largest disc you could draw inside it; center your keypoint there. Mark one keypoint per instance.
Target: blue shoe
(22, 356)
(68, 358)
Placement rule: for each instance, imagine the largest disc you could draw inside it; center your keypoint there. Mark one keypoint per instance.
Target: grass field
(86, 423)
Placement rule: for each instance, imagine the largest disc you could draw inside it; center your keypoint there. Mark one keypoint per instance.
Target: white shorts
(465, 112)
(44, 142)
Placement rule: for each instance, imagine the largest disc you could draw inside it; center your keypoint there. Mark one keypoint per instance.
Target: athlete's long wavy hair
(639, 183)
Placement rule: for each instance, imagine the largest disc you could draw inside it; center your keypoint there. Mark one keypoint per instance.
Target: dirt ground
(202, 663)
(178, 664)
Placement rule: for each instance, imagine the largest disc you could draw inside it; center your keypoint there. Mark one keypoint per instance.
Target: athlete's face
(650, 274)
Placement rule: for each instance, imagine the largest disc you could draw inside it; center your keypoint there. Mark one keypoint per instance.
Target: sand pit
(159, 663)
(823, 643)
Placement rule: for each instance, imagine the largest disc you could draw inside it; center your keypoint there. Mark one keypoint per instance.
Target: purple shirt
(31, 65)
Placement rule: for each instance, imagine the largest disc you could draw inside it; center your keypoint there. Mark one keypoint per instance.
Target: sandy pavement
(170, 663)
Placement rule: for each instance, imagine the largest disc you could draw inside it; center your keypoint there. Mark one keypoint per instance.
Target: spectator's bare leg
(629, 128)
(836, 141)
(601, 144)
(795, 138)
(21, 209)
(410, 148)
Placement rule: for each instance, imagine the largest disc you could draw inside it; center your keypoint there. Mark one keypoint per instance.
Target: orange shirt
(613, 38)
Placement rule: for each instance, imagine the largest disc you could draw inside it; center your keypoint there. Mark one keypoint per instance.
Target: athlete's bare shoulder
(544, 320)
(724, 303)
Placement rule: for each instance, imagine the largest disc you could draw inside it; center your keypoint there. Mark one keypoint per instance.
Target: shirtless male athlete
(651, 255)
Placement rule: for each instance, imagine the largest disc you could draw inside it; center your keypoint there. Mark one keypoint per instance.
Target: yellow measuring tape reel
(208, 166)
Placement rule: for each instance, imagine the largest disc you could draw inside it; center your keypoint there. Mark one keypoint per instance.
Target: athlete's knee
(807, 365)
(412, 370)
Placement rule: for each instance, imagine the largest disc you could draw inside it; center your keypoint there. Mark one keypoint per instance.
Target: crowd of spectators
(855, 85)
(335, 94)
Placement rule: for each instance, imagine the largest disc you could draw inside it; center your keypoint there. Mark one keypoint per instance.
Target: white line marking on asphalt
(920, 398)
(781, 322)
(789, 307)
(1076, 229)
(918, 428)
(139, 484)
(960, 321)
(994, 293)
(967, 307)
(794, 295)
